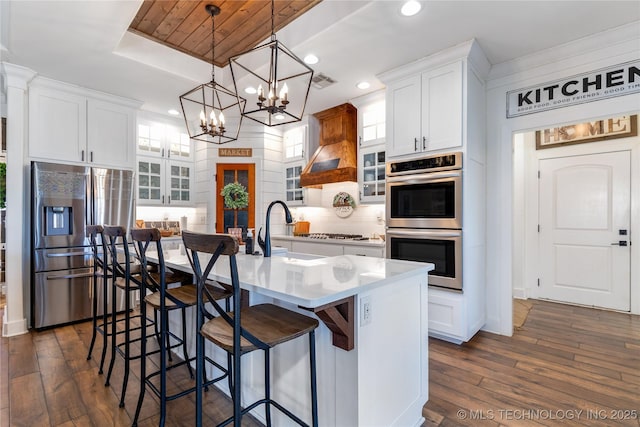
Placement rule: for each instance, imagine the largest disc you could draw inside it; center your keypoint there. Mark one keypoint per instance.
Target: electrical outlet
(365, 311)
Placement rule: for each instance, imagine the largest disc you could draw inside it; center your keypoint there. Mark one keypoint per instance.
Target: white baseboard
(10, 329)
(520, 293)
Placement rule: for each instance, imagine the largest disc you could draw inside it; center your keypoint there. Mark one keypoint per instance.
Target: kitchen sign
(609, 82)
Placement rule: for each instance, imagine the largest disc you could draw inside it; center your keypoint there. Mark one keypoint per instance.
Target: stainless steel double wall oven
(424, 215)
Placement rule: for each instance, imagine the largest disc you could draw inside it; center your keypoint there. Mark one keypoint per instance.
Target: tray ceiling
(185, 25)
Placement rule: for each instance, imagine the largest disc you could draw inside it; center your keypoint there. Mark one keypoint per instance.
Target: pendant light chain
(213, 48)
(273, 31)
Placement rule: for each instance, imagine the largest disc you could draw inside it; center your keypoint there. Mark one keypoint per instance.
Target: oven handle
(417, 233)
(423, 177)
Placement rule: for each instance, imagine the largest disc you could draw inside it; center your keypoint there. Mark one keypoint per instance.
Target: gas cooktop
(333, 236)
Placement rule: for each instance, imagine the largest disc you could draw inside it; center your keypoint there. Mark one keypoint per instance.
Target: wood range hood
(335, 160)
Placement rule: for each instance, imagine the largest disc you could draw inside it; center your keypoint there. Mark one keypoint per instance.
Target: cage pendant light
(212, 112)
(278, 79)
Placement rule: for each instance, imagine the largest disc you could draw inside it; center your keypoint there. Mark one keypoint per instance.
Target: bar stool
(122, 278)
(101, 272)
(258, 327)
(164, 300)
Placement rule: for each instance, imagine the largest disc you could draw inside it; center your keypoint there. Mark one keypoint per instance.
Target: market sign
(609, 82)
(235, 152)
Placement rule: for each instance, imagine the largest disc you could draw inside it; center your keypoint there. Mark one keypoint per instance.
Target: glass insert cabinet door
(294, 192)
(373, 178)
(227, 218)
(180, 182)
(150, 181)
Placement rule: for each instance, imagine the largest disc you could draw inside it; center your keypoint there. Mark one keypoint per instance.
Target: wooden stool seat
(186, 294)
(270, 323)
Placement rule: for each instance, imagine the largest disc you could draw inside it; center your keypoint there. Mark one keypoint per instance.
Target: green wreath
(235, 196)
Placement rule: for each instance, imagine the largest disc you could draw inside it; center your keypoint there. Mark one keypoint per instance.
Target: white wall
(588, 54)
(366, 219)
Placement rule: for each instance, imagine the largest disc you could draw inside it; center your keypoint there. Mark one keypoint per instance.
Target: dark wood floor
(46, 380)
(565, 366)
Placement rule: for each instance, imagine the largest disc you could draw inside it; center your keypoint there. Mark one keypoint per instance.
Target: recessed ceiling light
(279, 116)
(250, 90)
(311, 59)
(410, 8)
(174, 112)
(363, 85)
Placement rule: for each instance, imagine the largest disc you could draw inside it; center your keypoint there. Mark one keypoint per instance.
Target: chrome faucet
(266, 243)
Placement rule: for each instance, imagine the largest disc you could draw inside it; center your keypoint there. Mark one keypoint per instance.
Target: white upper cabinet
(165, 171)
(111, 131)
(424, 111)
(298, 144)
(74, 125)
(163, 140)
(295, 144)
(371, 146)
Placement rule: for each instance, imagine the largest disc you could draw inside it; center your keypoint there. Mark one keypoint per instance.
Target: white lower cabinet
(287, 244)
(364, 251)
(327, 249)
(324, 249)
(446, 315)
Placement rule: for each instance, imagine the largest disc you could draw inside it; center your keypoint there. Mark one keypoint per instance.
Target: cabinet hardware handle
(424, 142)
(82, 156)
(163, 199)
(415, 144)
(68, 276)
(620, 243)
(91, 156)
(169, 199)
(360, 140)
(68, 254)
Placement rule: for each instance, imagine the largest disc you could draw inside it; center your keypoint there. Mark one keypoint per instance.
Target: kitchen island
(372, 343)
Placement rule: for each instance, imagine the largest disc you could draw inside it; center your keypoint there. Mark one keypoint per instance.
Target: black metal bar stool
(101, 274)
(164, 300)
(258, 327)
(122, 278)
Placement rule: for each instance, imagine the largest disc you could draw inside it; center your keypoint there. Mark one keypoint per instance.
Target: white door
(585, 207)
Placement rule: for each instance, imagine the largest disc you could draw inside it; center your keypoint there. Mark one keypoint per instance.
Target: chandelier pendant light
(281, 87)
(208, 107)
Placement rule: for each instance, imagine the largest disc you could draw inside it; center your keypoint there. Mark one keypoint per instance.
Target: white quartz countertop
(377, 243)
(307, 280)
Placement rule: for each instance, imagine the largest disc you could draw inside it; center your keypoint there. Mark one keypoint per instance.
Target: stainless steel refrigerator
(65, 199)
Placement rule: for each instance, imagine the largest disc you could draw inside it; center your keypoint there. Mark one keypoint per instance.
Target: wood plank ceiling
(185, 25)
